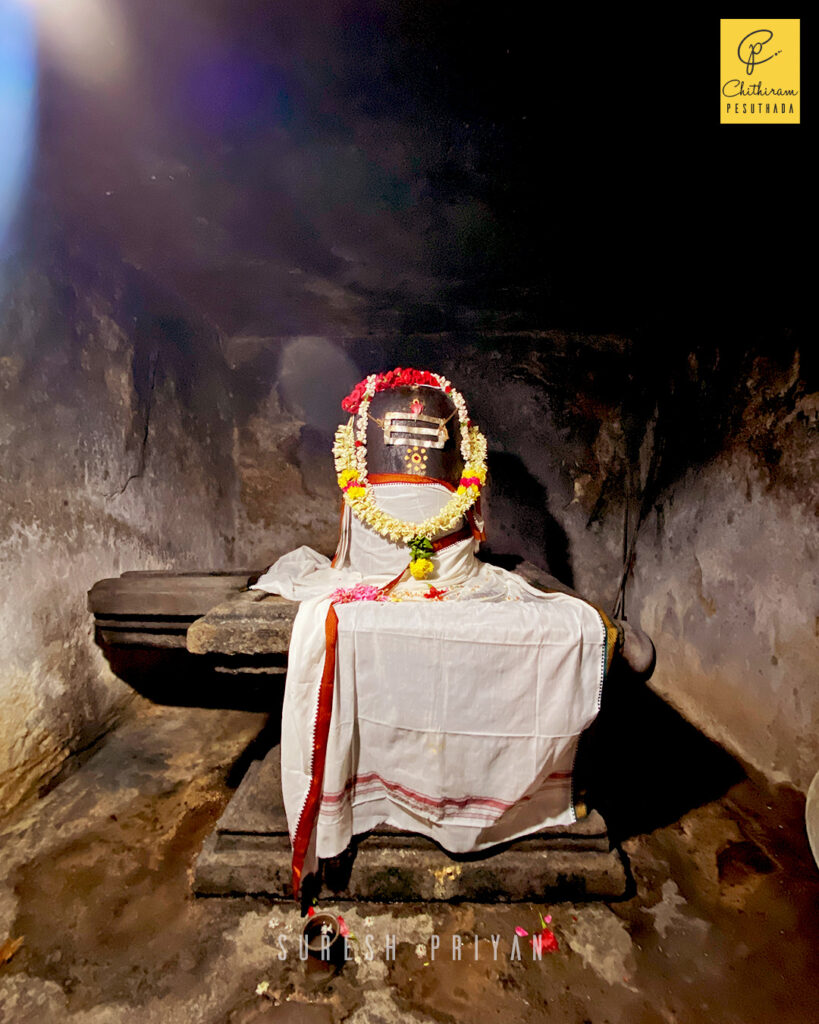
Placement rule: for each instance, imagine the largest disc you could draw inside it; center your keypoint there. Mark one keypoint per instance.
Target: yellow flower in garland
(421, 568)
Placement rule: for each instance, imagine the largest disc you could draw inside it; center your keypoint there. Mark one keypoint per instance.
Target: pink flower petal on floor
(311, 911)
(342, 927)
(520, 931)
(548, 919)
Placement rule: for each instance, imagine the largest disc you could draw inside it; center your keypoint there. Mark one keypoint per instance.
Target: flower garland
(350, 452)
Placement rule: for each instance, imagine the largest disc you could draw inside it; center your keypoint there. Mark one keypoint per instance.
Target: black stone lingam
(407, 455)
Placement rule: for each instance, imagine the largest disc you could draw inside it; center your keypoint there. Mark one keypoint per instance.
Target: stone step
(247, 623)
(209, 612)
(154, 632)
(249, 853)
(253, 622)
(233, 865)
(142, 621)
(164, 595)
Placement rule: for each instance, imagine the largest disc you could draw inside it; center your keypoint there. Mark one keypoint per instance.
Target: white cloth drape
(457, 718)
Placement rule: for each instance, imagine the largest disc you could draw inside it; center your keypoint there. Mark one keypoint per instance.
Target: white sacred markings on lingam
(416, 460)
(405, 428)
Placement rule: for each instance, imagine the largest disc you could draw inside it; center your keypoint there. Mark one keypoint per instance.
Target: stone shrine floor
(720, 926)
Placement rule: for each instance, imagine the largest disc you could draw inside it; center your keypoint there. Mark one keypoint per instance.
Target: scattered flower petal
(311, 911)
(520, 931)
(546, 941)
(342, 927)
(262, 987)
(360, 592)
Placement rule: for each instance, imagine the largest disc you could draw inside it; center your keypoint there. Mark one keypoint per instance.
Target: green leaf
(421, 547)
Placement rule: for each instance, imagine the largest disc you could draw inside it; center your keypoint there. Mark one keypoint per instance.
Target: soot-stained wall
(114, 457)
(726, 561)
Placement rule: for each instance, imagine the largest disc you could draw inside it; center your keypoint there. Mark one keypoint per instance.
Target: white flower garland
(350, 452)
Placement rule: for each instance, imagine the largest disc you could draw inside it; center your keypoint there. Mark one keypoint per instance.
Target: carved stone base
(204, 639)
(249, 852)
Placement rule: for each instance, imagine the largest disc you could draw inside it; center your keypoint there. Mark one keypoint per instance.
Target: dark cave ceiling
(383, 169)
(346, 169)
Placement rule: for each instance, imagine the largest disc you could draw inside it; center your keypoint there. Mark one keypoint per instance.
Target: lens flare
(18, 90)
(87, 39)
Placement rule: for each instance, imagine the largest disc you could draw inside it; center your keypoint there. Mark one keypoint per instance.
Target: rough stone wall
(113, 456)
(282, 444)
(726, 582)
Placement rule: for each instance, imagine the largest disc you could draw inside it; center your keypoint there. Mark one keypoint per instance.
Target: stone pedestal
(157, 632)
(205, 639)
(249, 852)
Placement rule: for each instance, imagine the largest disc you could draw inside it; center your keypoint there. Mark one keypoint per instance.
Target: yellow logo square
(759, 71)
